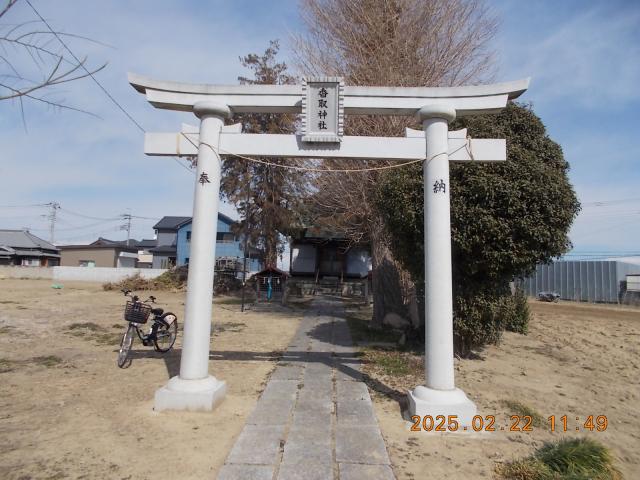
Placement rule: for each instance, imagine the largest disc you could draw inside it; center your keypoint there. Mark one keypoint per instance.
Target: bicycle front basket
(137, 312)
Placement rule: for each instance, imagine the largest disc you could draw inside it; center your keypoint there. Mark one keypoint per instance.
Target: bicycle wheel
(125, 346)
(166, 333)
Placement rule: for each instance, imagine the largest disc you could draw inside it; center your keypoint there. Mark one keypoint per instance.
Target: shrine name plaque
(322, 109)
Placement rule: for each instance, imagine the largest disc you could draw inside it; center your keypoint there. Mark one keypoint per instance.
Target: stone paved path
(314, 420)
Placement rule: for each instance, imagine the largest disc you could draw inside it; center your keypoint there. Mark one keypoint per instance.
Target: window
(189, 236)
(30, 262)
(87, 263)
(225, 237)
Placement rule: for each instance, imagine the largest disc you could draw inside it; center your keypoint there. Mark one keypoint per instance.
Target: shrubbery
(506, 217)
(518, 319)
(567, 459)
(174, 279)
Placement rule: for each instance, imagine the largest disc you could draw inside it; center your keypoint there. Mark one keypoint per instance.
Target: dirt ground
(68, 411)
(577, 360)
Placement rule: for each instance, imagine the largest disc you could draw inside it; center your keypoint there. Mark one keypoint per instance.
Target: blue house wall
(230, 247)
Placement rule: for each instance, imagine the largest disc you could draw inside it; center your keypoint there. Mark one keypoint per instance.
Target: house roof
(225, 219)
(171, 223)
(147, 242)
(22, 239)
(174, 223)
(163, 249)
(35, 253)
(105, 243)
(273, 270)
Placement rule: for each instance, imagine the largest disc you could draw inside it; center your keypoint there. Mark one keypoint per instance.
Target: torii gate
(323, 102)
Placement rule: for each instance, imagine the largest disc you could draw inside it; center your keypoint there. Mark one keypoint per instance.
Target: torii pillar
(194, 388)
(438, 396)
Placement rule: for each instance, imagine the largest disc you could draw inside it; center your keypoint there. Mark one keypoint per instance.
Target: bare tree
(33, 62)
(387, 43)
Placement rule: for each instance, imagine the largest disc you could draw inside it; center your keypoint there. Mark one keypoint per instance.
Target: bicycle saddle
(157, 311)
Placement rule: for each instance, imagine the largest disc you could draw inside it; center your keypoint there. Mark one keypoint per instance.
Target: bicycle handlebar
(127, 293)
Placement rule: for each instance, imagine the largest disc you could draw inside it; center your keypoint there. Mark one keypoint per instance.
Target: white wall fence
(79, 274)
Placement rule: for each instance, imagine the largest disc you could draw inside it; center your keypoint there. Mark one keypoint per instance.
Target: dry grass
(566, 459)
(91, 331)
(516, 407)
(47, 361)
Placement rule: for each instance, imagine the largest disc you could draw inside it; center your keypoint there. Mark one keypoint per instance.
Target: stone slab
(246, 472)
(321, 392)
(271, 412)
(352, 391)
(308, 445)
(257, 445)
(355, 412)
(348, 373)
(356, 471)
(287, 372)
(360, 445)
(308, 404)
(318, 371)
(280, 389)
(306, 471)
(311, 419)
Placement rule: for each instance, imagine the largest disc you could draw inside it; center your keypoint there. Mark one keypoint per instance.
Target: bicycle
(162, 333)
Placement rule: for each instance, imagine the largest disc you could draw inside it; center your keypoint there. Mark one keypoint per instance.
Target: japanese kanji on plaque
(322, 109)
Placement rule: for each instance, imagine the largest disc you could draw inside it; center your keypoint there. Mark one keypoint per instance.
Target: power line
(90, 234)
(64, 45)
(610, 202)
(81, 215)
(82, 227)
(145, 218)
(90, 74)
(25, 206)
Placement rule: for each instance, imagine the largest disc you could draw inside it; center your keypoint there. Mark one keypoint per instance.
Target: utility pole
(127, 226)
(52, 220)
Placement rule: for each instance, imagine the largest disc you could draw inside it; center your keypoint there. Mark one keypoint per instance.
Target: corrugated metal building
(583, 280)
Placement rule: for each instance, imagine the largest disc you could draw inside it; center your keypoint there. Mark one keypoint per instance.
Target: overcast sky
(583, 57)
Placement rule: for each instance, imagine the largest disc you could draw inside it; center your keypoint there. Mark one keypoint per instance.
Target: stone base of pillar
(427, 401)
(193, 395)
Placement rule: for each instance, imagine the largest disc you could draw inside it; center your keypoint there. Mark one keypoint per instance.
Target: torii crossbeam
(194, 388)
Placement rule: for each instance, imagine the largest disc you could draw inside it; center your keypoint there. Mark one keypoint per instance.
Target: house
(165, 250)
(145, 257)
(101, 253)
(20, 247)
(173, 245)
(317, 253)
(229, 247)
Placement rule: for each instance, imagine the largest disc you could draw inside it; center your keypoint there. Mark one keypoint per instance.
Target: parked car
(549, 297)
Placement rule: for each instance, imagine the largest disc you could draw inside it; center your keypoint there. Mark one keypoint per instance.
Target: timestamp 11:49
(592, 423)
(518, 423)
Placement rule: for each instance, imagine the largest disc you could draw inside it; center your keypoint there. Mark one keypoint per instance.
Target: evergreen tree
(266, 196)
(505, 219)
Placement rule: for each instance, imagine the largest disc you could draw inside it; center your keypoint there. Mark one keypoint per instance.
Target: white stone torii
(194, 388)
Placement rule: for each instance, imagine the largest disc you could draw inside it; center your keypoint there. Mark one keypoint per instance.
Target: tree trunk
(387, 292)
